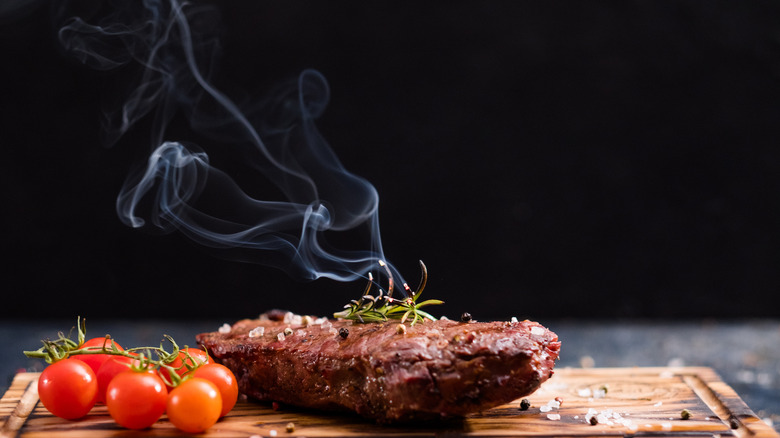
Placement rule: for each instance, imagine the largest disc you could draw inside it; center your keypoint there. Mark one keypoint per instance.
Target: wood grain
(638, 402)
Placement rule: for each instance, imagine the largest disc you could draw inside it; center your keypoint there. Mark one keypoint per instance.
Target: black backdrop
(577, 159)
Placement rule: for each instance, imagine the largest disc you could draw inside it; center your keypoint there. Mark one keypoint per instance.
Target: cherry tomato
(200, 357)
(136, 399)
(68, 388)
(108, 371)
(96, 360)
(194, 405)
(224, 379)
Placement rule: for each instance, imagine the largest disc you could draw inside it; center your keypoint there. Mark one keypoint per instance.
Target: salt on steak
(431, 370)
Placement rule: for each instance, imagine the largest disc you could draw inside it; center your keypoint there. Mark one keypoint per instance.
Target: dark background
(576, 159)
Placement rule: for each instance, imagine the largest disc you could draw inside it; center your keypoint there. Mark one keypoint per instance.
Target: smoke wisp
(173, 47)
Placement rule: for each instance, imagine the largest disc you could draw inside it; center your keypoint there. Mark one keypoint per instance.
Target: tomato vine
(169, 365)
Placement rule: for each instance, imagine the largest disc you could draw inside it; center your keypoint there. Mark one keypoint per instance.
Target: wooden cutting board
(638, 402)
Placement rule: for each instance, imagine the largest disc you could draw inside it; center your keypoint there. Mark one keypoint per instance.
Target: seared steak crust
(432, 370)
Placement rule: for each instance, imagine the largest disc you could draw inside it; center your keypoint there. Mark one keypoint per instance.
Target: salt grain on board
(552, 404)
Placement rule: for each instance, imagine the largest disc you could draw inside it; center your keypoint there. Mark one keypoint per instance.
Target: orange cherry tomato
(194, 406)
(136, 399)
(96, 360)
(225, 381)
(68, 388)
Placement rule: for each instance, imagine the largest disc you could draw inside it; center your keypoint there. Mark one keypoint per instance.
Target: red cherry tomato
(108, 371)
(199, 356)
(136, 399)
(194, 405)
(225, 381)
(68, 388)
(96, 360)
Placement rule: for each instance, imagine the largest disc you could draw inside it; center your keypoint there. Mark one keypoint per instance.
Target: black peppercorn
(466, 317)
(525, 404)
(343, 332)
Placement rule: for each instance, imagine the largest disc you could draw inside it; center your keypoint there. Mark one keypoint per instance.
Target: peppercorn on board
(574, 402)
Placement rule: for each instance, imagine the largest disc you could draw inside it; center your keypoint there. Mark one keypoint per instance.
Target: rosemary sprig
(143, 357)
(379, 308)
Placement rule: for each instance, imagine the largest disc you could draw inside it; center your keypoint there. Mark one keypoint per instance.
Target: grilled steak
(432, 370)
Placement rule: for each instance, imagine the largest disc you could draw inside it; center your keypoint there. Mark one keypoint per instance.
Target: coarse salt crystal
(257, 331)
(280, 337)
(585, 392)
(272, 432)
(552, 404)
(514, 319)
(225, 328)
(666, 425)
(291, 318)
(658, 404)
(599, 393)
(554, 417)
(537, 330)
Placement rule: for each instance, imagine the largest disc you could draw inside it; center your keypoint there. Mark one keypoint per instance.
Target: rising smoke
(173, 48)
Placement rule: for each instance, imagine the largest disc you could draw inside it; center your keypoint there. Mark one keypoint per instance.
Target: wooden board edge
(729, 406)
(23, 396)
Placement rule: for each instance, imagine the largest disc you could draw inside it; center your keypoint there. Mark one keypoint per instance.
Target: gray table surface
(745, 353)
